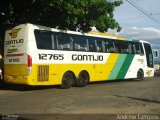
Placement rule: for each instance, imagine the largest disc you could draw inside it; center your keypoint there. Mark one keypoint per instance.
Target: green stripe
(117, 67)
(125, 66)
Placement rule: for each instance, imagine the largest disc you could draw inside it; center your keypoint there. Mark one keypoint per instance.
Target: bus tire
(140, 75)
(67, 80)
(82, 79)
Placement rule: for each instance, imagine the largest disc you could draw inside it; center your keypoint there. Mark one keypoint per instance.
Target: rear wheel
(82, 79)
(67, 80)
(140, 75)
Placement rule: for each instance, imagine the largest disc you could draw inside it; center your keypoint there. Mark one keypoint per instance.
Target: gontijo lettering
(11, 42)
(80, 57)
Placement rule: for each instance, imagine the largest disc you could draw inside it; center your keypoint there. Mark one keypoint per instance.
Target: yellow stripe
(120, 38)
(110, 64)
(106, 34)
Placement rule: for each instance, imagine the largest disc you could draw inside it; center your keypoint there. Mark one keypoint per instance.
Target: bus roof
(91, 33)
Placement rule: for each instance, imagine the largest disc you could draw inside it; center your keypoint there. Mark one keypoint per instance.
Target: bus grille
(43, 73)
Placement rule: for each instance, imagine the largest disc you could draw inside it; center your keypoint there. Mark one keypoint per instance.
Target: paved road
(131, 96)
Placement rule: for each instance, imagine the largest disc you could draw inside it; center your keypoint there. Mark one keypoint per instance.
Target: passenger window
(125, 47)
(80, 43)
(63, 42)
(118, 45)
(92, 45)
(137, 48)
(99, 45)
(109, 46)
(44, 39)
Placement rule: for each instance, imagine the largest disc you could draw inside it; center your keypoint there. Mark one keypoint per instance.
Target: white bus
(38, 55)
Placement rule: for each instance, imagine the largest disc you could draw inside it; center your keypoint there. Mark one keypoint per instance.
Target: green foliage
(66, 14)
(63, 14)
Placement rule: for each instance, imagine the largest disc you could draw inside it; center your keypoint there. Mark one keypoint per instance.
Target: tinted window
(109, 46)
(137, 48)
(92, 45)
(118, 45)
(99, 45)
(126, 47)
(63, 42)
(123, 47)
(80, 43)
(44, 39)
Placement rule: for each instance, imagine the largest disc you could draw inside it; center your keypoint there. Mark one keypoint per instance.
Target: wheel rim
(67, 81)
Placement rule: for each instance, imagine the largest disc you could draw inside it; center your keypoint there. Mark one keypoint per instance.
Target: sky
(137, 25)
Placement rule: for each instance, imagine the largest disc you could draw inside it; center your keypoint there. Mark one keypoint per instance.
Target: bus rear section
(17, 61)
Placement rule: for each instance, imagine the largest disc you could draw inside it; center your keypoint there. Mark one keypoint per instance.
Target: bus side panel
(54, 76)
(125, 66)
(41, 76)
(137, 63)
(117, 67)
(111, 62)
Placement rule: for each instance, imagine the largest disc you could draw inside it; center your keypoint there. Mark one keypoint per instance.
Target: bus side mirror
(155, 53)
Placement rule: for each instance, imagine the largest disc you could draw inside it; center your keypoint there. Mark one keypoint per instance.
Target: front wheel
(140, 75)
(67, 80)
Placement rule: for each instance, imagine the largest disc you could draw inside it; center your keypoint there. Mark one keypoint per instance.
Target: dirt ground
(120, 97)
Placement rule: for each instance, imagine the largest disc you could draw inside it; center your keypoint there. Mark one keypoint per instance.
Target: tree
(67, 14)
(64, 14)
